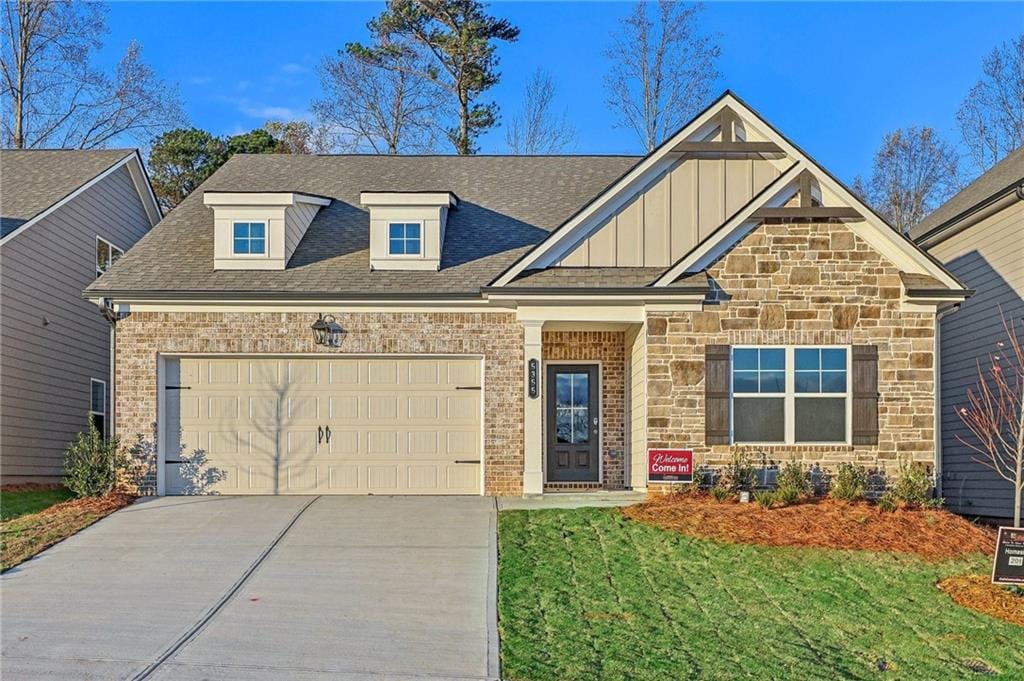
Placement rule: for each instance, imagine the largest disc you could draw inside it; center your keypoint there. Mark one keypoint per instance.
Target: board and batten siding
(52, 341)
(673, 213)
(989, 258)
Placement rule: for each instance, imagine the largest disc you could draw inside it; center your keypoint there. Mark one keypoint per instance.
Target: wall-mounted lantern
(327, 331)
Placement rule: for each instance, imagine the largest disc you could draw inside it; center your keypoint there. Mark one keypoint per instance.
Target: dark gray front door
(573, 423)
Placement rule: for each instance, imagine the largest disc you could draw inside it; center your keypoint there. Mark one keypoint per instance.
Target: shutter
(865, 395)
(717, 364)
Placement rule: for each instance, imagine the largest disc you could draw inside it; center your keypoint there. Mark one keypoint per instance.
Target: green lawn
(587, 594)
(14, 504)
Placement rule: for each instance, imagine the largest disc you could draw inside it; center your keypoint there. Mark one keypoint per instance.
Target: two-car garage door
(299, 425)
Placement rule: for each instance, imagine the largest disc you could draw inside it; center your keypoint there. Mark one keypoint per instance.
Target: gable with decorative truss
(702, 190)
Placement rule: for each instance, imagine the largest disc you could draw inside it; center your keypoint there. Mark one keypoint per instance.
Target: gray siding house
(66, 216)
(979, 236)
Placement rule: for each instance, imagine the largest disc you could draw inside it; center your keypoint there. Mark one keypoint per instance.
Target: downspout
(937, 368)
(111, 316)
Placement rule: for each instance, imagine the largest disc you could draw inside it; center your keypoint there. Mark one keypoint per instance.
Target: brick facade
(798, 284)
(496, 336)
(608, 348)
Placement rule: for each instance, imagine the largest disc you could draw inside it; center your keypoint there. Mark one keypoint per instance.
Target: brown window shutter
(717, 370)
(865, 395)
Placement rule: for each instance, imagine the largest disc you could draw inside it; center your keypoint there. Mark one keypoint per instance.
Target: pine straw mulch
(25, 536)
(933, 534)
(978, 593)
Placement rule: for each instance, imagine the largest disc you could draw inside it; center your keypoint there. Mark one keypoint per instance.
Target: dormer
(259, 230)
(407, 228)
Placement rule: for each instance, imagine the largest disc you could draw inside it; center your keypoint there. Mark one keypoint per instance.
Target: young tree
(537, 128)
(991, 117)
(54, 97)
(257, 141)
(300, 137)
(995, 414)
(460, 39)
(914, 172)
(662, 69)
(181, 160)
(379, 104)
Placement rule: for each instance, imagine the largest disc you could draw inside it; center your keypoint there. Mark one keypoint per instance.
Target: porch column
(533, 416)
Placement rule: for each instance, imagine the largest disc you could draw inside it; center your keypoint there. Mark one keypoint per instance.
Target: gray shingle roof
(602, 277)
(507, 204)
(32, 180)
(1009, 171)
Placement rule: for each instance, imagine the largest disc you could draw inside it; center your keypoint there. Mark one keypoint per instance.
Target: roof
(507, 204)
(921, 285)
(603, 277)
(32, 180)
(1006, 174)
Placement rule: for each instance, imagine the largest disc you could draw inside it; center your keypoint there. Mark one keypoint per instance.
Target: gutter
(1014, 191)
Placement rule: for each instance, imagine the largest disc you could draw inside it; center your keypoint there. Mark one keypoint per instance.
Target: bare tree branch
(991, 117)
(52, 96)
(537, 128)
(663, 69)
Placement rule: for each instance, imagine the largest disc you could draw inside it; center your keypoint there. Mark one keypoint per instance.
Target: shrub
(887, 502)
(720, 493)
(793, 483)
(741, 474)
(92, 464)
(913, 486)
(850, 482)
(765, 497)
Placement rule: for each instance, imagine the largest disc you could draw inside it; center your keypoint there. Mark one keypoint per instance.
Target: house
(512, 325)
(979, 236)
(65, 217)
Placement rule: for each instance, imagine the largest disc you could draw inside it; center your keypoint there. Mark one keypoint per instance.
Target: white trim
(85, 187)
(790, 396)
(600, 411)
(408, 199)
(243, 199)
(111, 247)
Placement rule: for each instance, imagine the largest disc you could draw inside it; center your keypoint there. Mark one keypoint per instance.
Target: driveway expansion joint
(205, 619)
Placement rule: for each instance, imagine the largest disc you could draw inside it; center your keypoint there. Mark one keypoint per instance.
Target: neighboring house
(508, 324)
(66, 216)
(979, 235)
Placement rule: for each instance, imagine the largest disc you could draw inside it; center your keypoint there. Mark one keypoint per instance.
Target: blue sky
(834, 77)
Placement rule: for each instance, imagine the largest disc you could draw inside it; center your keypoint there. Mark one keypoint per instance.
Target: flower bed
(977, 592)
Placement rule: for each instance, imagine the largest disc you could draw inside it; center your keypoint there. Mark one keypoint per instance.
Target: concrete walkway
(262, 588)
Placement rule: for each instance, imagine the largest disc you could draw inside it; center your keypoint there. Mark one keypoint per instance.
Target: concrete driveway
(262, 588)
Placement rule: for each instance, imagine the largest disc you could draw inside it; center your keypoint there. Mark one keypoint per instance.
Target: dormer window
(405, 238)
(407, 228)
(250, 238)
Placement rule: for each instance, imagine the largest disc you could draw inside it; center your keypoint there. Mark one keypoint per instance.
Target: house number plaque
(533, 378)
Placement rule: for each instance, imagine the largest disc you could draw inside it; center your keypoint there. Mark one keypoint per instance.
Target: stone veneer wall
(798, 284)
(496, 336)
(607, 347)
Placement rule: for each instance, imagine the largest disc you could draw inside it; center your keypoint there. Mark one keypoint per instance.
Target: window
(106, 255)
(250, 238)
(404, 238)
(98, 405)
(790, 395)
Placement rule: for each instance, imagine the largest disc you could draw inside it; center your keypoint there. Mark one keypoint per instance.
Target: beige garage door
(324, 426)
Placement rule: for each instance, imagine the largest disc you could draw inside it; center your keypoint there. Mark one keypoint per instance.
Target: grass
(26, 535)
(21, 502)
(588, 594)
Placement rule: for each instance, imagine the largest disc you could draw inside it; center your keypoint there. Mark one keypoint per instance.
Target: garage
(314, 425)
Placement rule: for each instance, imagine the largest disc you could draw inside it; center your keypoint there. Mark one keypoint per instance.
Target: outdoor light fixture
(327, 331)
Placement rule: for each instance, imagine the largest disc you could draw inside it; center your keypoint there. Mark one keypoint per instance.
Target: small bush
(740, 475)
(850, 482)
(887, 502)
(793, 484)
(789, 496)
(92, 464)
(766, 498)
(913, 486)
(720, 493)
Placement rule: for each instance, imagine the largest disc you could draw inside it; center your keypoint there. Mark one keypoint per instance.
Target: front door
(573, 437)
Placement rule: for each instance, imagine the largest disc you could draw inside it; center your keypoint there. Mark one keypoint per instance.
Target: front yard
(588, 594)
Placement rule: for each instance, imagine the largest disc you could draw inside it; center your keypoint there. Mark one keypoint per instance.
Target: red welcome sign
(670, 465)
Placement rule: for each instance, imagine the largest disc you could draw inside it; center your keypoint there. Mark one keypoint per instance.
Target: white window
(98, 405)
(106, 255)
(249, 238)
(791, 395)
(405, 238)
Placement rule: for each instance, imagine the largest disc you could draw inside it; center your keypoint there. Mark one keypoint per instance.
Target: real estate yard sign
(670, 465)
(1008, 567)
